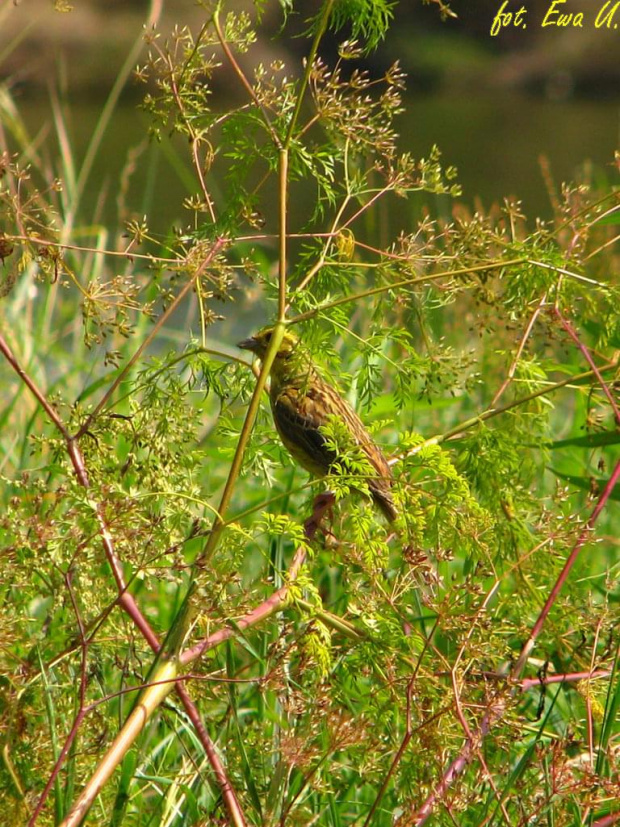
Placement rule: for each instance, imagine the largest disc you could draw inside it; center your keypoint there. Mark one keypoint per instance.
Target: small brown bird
(302, 402)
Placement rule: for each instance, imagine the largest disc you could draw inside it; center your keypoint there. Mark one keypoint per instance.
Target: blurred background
(517, 113)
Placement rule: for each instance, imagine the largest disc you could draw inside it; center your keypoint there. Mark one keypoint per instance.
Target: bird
(302, 402)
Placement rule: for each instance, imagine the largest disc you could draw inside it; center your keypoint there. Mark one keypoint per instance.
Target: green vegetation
(195, 633)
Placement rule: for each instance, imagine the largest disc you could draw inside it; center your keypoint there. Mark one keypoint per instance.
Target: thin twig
(244, 81)
(77, 248)
(374, 291)
(581, 540)
(215, 249)
(497, 707)
(526, 335)
(320, 31)
(586, 353)
(409, 731)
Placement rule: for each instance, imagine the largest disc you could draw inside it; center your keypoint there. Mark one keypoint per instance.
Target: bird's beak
(248, 344)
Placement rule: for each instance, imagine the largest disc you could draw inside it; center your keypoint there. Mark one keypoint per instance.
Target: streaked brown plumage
(301, 402)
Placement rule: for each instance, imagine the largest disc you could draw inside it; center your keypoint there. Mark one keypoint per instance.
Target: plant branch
(566, 677)
(492, 412)
(32, 386)
(77, 248)
(282, 205)
(320, 31)
(497, 708)
(586, 353)
(536, 629)
(375, 291)
(244, 436)
(228, 793)
(244, 81)
(217, 246)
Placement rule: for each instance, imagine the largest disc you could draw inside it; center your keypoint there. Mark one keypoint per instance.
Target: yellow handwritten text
(606, 15)
(554, 18)
(508, 18)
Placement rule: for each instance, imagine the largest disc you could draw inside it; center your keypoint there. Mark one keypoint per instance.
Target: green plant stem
(244, 436)
(491, 412)
(217, 246)
(283, 192)
(322, 25)
(374, 291)
(163, 682)
(239, 72)
(320, 31)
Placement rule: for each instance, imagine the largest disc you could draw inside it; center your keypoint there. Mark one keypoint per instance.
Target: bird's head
(259, 343)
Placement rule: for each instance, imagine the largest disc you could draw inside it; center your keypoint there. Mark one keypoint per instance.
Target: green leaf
(595, 440)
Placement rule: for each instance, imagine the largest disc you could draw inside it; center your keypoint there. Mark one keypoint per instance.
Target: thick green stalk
(320, 31)
(163, 682)
(244, 436)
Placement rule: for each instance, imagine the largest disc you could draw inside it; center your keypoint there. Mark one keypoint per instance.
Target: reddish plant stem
(125, 600)
(496, 710)
(567, 677)
(322, 504)
(273, 604)
(57, 767)
(607, 821)
(450, 775)
(228, 794)
(536, 629)
(32, 387)
(586, 353)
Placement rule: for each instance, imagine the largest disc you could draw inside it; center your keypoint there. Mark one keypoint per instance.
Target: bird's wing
(298, 416)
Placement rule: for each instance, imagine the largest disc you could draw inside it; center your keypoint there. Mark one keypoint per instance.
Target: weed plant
(191, 636)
